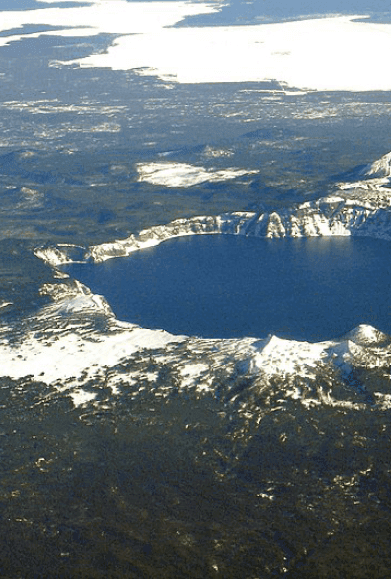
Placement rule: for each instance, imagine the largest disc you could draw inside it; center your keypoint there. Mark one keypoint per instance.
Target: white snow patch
(213, 152)
(295, 394)
(80, 397)
(184, 175)
(66, 355)
(334, 53)
(101, 16)
(191, 372)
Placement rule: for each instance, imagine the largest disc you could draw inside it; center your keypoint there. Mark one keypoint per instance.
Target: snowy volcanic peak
(367, 335)
(380, 168)
(364, 345)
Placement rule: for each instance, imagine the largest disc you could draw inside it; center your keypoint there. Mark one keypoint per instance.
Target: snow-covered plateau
(76, 338)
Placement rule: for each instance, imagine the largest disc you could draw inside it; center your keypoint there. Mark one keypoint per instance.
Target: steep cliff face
(369, 215)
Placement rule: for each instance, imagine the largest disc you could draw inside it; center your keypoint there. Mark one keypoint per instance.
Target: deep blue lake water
(229, 286)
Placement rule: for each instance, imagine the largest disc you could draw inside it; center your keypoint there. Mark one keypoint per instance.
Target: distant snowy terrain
(326, 53)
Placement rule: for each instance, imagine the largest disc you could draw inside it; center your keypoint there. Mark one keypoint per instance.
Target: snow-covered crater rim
(334, 215)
